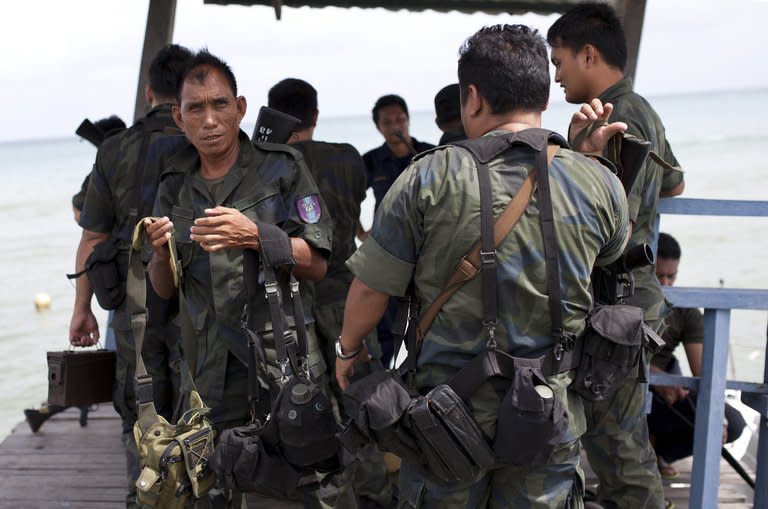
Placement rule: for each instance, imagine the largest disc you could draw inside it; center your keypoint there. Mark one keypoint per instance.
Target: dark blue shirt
(383, 167)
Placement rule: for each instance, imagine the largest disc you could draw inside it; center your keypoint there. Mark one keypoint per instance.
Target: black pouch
(103, 271)
(453, 446)
(612, 347)
(306, 426)
(378, 404)
(531, 418)
(244, 458)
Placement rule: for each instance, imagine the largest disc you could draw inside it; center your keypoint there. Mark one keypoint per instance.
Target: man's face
(571, 73)
(209, 114)
(666, 271)
(392, 118)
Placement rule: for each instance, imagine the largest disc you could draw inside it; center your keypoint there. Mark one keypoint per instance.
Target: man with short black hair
(215, 192)
(430, 219)
(448, 114)
(339, 173)
(589, 52)
(121, 191)
(673, 411)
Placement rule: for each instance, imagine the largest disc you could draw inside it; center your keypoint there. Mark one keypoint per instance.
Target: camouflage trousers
(558, 484)
(619, 450)
(370, 479)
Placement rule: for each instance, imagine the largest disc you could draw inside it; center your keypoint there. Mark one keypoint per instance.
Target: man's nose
(210, 118)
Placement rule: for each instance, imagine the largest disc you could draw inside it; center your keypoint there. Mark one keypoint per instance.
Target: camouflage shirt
(643, 199)
(111, 191)
(339, 173)
(268, 183)
(432, 218)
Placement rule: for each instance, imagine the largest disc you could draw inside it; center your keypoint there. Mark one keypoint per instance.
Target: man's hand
(158, 233)
(593, 118)
(345, 368)
(670, 395)
(225, 228)
(83, 329)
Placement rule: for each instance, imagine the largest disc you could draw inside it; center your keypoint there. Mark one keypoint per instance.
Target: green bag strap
(136, 296)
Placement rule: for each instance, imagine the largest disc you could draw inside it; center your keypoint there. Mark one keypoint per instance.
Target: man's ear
(149, 95)
(242, 106)
(590, 54)
(176, 112)
(314, 118)
(474, 101)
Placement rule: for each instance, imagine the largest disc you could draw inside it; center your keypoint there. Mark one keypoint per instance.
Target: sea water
(719, 139)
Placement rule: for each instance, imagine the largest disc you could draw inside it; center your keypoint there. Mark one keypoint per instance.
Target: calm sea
(719, 138)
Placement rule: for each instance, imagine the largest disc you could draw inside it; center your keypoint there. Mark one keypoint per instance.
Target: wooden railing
(711, 386)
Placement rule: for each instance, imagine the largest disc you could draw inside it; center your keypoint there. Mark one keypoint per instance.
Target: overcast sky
(65, 60)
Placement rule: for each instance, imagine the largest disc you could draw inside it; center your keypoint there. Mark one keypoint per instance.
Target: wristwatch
(345, 356)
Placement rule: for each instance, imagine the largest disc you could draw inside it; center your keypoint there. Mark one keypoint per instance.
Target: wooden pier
(66, 466)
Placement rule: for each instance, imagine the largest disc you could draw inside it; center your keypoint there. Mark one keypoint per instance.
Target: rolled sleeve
(379, 269)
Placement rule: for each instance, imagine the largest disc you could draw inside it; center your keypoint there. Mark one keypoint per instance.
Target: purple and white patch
(309, 209)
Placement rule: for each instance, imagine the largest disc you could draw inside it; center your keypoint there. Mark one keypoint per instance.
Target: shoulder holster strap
(483, 151)
(136, 297)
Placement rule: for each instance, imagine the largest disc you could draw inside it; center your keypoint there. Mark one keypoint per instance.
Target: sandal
(667, 471)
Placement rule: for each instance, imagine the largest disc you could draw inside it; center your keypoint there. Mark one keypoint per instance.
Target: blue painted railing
(717, 304)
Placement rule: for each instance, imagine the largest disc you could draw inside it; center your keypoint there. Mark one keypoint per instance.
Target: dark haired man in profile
(589, 52)
(121, 191)
(213, 193)
(430, 220)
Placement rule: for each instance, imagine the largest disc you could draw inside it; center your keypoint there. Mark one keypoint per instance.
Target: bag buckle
(488, 257)
(490, 326)
(271, 289)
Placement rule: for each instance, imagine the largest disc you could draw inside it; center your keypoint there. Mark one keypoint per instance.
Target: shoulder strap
(470, 265)
(136, 297)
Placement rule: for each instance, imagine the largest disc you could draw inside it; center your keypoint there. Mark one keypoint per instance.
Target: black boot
(37, 416)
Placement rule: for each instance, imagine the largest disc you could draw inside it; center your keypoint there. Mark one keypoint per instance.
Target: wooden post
(761, 477)
(631, 13)
(158, 34)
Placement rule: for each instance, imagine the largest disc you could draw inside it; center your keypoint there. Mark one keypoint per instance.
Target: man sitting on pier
(673, 413)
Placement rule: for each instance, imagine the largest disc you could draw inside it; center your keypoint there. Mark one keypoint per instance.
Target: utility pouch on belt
(438, 429)
(291, 435)
(613, 345)
(454, 447)
(103, 271)
(174, 457)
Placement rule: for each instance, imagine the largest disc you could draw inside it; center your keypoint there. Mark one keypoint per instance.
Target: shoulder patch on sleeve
(309, 208)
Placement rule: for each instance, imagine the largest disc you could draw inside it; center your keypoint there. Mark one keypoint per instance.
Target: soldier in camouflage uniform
(339, 173)
(214, 192)
(430, 219)
(589, 53)
(112, 205)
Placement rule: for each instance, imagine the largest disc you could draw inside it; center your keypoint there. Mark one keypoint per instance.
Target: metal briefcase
(80, 378)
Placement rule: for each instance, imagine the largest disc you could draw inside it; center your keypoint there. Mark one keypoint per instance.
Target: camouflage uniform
(267, 184)
(107, 209)
(617, 436)
(425, 225)
(339, 173)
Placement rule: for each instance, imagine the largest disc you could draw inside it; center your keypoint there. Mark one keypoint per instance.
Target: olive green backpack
(174, 457)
